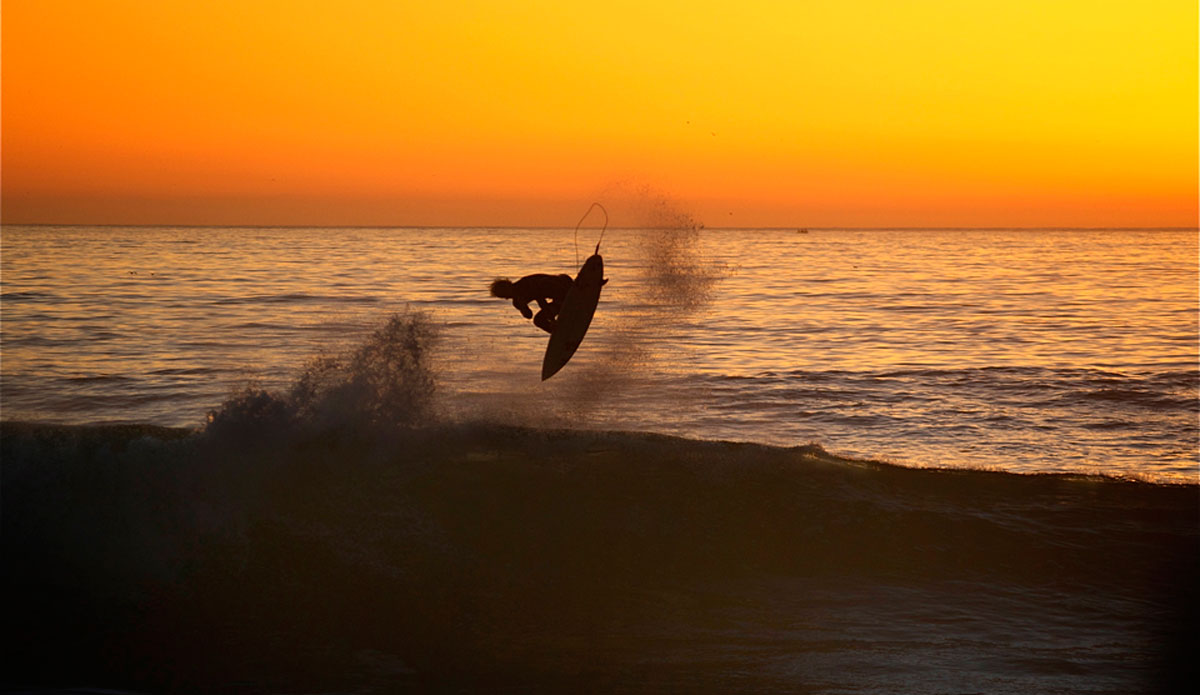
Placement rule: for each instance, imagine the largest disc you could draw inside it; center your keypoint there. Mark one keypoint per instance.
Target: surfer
(548, 291)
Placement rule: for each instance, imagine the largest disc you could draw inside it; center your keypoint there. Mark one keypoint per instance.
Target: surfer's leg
(545, 320)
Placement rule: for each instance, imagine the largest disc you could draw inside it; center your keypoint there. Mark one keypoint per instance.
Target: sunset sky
(748, 113)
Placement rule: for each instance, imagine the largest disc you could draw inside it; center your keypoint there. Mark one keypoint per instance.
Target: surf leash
(602, 230)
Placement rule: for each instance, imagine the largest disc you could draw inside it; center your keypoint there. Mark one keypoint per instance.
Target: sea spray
(386, 382)
(680, 277)
(679, 281)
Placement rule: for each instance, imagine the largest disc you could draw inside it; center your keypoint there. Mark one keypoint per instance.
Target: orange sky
(798, 113)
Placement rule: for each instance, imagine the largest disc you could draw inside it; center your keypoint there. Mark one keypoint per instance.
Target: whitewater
(838, 461)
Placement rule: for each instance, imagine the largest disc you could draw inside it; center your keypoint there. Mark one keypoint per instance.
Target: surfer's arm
(523, 307)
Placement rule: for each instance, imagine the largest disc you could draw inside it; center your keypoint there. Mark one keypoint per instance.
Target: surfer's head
(503, 288)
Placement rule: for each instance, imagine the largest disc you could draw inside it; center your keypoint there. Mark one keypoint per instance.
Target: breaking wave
(384, 383)
(439, 556)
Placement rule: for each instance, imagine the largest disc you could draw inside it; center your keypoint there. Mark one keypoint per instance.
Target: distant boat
(802, 231)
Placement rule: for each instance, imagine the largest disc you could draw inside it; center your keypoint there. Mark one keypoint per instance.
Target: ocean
(826, 461)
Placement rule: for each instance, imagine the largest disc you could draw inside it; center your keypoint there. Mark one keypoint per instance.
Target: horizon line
(797, 228)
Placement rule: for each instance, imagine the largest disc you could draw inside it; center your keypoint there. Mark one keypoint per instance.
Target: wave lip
(385, 382)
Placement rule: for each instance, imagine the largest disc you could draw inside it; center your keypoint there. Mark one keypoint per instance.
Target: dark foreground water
(265, 555)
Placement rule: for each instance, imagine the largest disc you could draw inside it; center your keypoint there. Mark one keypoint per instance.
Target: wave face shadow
(484, 558)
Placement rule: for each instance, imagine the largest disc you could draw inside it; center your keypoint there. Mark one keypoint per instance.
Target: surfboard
(575, 316)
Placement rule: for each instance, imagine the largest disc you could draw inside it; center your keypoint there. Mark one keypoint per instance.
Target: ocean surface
(268, 460)
(1025, 351)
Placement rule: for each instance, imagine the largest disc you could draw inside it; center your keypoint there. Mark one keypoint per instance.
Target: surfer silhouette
(548, 291)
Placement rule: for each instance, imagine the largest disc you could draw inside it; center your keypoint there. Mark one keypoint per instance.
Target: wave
(21, 296)
(429, 555)
(296, 297)
(925, 401)
(1015, 376)
(344, 534)
(385, 382)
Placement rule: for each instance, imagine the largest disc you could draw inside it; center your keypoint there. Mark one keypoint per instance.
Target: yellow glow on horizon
(807, 113)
